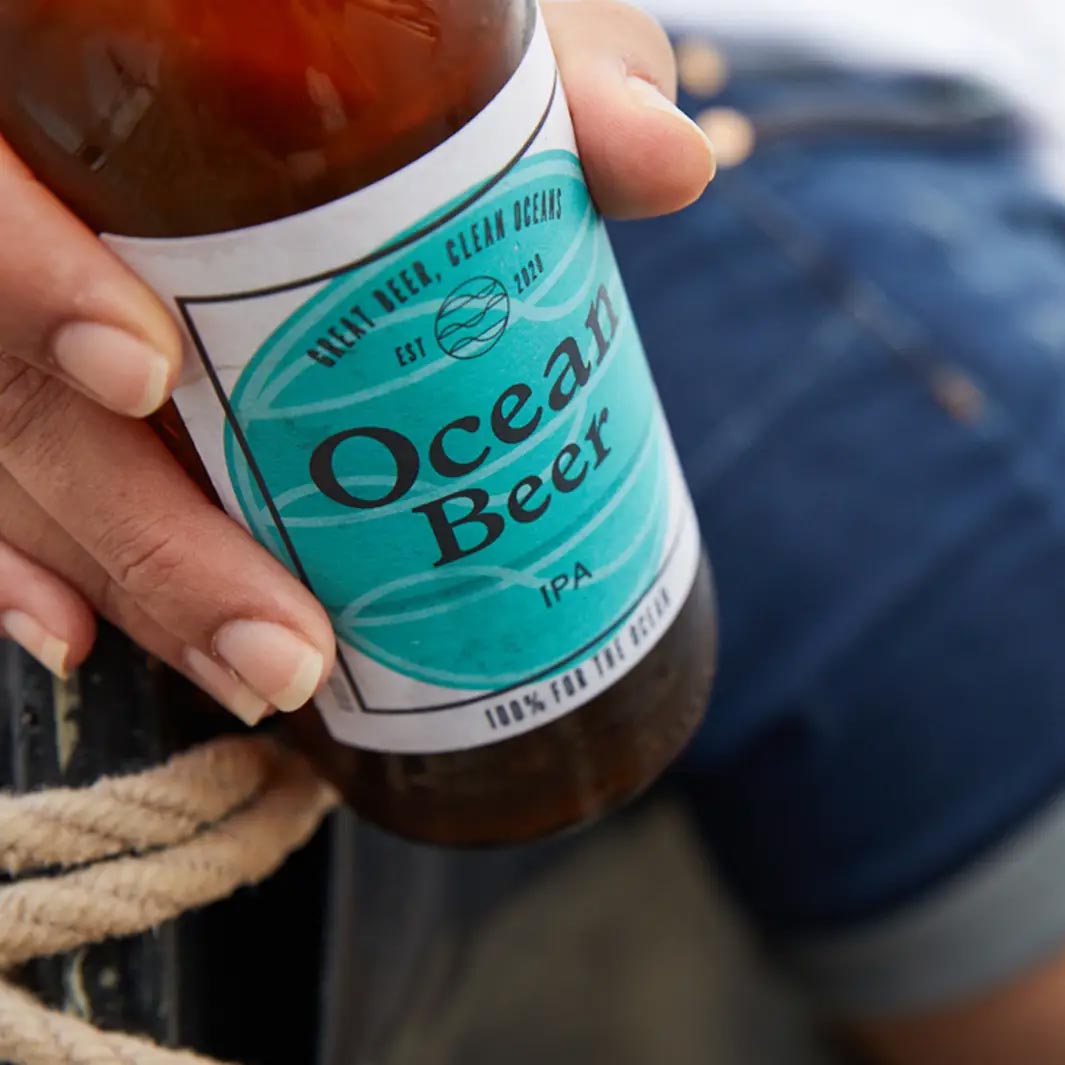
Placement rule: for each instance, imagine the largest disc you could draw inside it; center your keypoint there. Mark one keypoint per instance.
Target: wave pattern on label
(490, 426)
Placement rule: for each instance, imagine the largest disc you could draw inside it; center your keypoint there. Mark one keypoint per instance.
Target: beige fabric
(158, 843)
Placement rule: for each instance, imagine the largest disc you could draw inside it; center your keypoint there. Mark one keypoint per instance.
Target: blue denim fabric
(859, 336)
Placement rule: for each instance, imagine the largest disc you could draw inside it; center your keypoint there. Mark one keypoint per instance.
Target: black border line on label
(388, 249)
(185, 302)
(260, 482)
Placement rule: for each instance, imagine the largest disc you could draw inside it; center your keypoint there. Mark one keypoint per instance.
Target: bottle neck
(186, 118)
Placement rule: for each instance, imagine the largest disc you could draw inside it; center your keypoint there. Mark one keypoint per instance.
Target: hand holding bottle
(95, 514)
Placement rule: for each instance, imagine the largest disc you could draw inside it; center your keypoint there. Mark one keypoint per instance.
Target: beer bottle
(412, 373)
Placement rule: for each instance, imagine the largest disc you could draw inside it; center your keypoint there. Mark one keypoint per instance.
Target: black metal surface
(105, 719)
(238, 980)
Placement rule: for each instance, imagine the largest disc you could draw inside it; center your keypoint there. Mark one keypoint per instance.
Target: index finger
(70, 308)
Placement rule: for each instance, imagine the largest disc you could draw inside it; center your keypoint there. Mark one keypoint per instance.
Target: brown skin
(1022, 1023)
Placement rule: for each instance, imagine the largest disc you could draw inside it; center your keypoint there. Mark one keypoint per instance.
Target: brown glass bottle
(176, 118)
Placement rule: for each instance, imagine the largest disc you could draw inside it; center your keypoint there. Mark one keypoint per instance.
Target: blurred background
(618, 946)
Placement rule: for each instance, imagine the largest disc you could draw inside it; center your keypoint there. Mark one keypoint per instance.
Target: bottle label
(430, 401)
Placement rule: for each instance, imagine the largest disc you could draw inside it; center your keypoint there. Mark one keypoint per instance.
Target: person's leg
(1020, 1022)
(858, 335)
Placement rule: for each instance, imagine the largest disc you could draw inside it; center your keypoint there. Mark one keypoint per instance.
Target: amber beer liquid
(412, 373)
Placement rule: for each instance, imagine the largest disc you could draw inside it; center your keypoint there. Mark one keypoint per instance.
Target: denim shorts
(859, 336)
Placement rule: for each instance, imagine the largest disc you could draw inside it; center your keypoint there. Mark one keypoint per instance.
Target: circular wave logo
(473, 319)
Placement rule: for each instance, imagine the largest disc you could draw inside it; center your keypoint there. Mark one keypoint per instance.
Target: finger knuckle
(143, 556)
(659, 48)
(29, 398)
(655, 54)
(116, 605)
(644, 44)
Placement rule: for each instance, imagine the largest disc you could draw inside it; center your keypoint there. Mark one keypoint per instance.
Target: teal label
(460, 443)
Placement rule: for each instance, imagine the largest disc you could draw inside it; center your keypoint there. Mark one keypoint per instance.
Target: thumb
(643, 155)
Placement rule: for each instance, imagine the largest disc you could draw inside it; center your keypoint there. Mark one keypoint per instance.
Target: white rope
(144, 848)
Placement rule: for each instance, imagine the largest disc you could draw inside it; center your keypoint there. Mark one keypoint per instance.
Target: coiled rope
(119, 857)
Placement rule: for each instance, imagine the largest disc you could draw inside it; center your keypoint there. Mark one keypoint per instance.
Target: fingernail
(124, 373)
(35, 639)
(648, 94)
(276, 663)
(219, 683)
